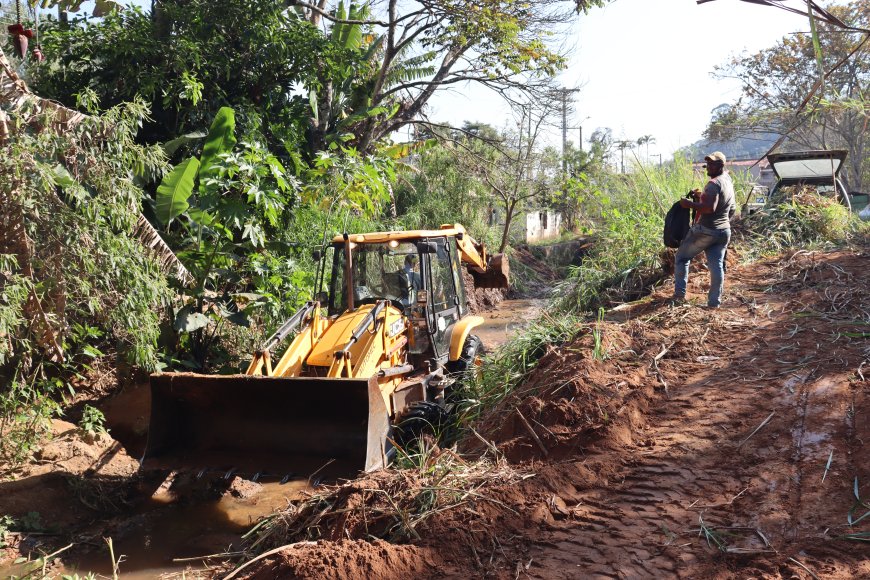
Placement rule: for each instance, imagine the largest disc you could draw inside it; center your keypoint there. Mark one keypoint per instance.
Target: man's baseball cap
(715, 156)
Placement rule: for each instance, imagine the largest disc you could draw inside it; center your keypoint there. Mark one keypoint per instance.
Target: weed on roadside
(93, 422)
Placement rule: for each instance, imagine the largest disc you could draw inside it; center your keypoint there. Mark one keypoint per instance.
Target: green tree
(514, 166)
(426, 46)
(362, 76)
(191, 58)
(75, 279)
(586, 168)
(436, 187)
(778, 80)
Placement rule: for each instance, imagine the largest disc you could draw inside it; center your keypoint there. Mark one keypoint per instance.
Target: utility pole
(564, 92)
(622, 146)
(580, 133)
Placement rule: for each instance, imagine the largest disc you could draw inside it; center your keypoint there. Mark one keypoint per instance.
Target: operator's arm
(708, 200)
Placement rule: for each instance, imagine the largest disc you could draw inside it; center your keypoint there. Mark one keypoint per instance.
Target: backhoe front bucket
(266, 425)
(497, 274)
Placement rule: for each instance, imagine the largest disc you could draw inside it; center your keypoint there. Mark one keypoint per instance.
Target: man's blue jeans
(713, 243)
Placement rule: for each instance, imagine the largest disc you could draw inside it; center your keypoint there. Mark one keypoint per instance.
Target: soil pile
(698, 443)
(346, 559)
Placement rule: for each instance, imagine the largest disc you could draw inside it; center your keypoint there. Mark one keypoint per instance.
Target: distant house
(759, 172)
(544, 224)
(531, 226)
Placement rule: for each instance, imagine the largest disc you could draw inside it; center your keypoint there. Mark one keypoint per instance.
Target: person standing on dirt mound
(711, 232)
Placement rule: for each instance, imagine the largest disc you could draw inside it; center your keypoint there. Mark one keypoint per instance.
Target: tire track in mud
(644, 525)
(707, 464)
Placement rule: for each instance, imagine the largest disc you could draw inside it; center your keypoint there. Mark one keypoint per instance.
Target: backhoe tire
(420, 418)
(465, 367)
(469, 359)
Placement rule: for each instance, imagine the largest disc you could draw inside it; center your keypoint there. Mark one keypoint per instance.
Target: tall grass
(511, 364)
(627, 212)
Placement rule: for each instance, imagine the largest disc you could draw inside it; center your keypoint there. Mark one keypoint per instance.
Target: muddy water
(169, 530)
(169, 535)
(506, 320)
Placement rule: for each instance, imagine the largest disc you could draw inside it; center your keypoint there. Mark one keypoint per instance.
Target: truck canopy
(807, 165)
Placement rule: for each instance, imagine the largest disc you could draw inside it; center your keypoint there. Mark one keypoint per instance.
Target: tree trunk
(14, 240)
(509, 208)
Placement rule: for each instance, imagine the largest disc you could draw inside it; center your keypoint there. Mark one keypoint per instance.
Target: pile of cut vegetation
(805, 219)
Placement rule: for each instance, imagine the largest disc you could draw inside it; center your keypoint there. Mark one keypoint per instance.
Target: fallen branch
(532, 433)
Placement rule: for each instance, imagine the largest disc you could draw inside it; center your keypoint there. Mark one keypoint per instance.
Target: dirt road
(730, 474)
(706, 444)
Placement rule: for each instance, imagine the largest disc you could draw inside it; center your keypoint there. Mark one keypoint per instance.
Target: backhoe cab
(370, 362)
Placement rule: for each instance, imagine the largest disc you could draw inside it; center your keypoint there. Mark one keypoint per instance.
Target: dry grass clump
(391, 504)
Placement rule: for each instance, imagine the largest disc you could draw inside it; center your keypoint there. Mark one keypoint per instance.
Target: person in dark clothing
(711, 231)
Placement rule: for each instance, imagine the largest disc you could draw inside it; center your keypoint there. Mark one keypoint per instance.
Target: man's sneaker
(677, 300)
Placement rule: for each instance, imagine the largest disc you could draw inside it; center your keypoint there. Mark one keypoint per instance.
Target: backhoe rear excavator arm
(487, 271)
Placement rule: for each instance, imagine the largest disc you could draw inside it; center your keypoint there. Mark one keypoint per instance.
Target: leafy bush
(72, 274)
(93, 422)
(25, 412)
(6, 522)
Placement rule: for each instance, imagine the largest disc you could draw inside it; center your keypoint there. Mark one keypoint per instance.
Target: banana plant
(177, 187)
(220, 205)
(343, 105)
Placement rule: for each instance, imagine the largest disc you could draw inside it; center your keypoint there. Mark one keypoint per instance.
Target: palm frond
(412, 69)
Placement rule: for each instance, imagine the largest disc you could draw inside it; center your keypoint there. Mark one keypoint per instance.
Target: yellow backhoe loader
(371, 358)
